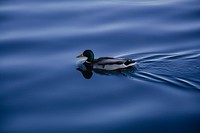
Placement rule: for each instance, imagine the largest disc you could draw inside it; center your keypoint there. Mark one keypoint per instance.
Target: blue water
(41, 90)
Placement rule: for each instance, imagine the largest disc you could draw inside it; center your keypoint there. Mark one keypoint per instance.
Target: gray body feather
(109, 63)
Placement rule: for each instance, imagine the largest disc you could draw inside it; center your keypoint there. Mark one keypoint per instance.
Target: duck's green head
(89, 54)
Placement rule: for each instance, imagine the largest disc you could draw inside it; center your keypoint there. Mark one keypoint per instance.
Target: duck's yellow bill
(81, 55)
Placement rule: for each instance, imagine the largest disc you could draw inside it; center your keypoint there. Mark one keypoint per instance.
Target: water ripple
(178, 69)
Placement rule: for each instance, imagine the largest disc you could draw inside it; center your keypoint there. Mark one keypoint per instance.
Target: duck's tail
(130, 62)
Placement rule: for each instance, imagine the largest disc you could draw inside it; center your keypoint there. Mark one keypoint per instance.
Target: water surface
(41, 90)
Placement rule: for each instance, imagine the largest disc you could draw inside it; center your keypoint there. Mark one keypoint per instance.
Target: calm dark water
(41, 90)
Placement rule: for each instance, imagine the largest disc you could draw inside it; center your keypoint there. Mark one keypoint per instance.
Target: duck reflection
(88, 70)
(86, 74)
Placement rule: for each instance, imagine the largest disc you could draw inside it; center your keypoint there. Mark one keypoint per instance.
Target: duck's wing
(109, 61)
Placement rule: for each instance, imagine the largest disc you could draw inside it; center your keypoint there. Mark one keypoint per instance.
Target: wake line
(181, 69)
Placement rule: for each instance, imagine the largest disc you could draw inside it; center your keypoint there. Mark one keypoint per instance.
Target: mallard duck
(105, 63)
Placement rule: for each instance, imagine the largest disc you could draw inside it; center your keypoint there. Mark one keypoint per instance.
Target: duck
(105, 63)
